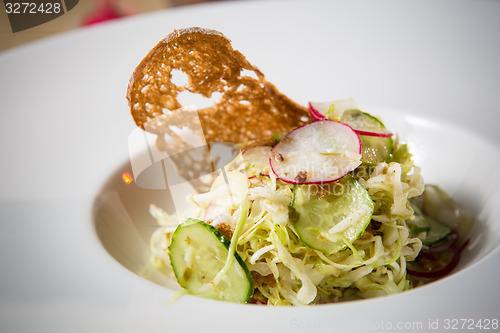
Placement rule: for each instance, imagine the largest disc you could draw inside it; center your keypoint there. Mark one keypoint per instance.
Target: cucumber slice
(197, 253)
(364, 123)
(325, 222)
(419, 224)
(436, 231)
(436, 203)
(376, 141)
(375, 149)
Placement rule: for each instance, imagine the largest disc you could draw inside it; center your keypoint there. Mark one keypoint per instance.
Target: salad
(335, 210)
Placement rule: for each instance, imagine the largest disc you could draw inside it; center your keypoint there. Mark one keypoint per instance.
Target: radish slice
(453, 255)
(319, 152)
(450, 264)
(368, 133)
(259, 175)
(365, 124)
(332, 110)
(314, 111)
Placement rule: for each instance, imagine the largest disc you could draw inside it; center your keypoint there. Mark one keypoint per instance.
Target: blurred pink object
(105, 10)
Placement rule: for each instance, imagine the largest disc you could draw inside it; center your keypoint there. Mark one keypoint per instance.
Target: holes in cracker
(179, 78)
(240, 88)
(249, 73)
(189, 98)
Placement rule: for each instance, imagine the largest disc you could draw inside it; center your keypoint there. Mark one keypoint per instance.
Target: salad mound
(324, 204)
(359, 229)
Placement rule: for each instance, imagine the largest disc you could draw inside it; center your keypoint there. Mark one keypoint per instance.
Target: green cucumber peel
(331, 222)
(198, 253)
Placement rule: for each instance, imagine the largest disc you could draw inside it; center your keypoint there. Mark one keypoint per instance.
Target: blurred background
(86, 12)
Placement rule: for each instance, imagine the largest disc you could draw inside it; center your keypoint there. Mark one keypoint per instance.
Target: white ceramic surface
(430, 68)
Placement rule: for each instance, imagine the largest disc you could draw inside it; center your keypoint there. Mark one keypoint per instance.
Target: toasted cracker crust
(249, 110)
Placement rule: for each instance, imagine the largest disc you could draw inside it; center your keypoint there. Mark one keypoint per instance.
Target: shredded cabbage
(285, 270)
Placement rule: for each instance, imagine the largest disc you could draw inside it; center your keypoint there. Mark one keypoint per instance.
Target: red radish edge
(452, 264)
(443, 245)
(367, 133)
(261, 175)
(321, 181)
(315, 114)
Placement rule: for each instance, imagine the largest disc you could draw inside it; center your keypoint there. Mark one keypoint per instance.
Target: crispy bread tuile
(248, 110)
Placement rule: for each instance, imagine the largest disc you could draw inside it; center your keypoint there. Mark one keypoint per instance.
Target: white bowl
(449, 156)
